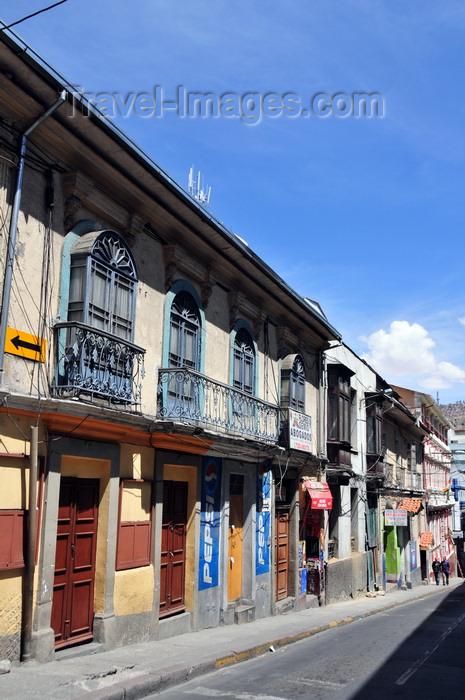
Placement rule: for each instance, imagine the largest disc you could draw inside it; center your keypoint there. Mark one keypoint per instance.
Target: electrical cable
(34, 14)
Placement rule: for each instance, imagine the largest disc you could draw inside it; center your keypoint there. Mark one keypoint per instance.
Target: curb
(146, 684)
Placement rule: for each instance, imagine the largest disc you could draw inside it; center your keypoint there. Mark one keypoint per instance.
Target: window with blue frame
(103, 283)
(184, 332)
(244, 362)
(97, 354)
(184, 353)
(293, 379)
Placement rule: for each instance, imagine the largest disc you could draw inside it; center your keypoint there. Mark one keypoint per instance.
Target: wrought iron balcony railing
(97, 365)
(188, 396)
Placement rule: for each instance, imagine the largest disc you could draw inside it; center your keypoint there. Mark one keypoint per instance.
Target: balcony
(339, 454)
(375, 464)
(97, 366)
(185, 395)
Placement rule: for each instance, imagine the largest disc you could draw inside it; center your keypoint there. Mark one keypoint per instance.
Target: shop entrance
(173, 548)
(236, 523)
(73, 587)
(282, 552)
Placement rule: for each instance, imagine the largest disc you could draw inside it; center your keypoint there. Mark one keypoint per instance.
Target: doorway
(173, 548)
(236, 524)
(282, 552)
(74, 575)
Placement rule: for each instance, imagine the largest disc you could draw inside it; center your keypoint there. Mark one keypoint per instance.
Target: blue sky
(364, 215)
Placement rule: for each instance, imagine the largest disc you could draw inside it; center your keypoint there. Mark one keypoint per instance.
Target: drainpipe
(31, 544)
(14, 226)
(321, 415)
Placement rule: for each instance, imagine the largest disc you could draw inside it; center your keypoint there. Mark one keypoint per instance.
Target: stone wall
(346, 578)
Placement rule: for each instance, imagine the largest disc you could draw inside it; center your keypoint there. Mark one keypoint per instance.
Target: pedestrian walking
(436, 566)
(445, 568)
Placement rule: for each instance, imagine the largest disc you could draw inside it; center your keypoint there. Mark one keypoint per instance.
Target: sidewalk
(140, 669)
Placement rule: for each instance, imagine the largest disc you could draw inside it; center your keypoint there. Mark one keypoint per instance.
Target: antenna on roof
(197, 189)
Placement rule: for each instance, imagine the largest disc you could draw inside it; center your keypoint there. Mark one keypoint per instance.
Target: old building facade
(161, 396)
(185, 442)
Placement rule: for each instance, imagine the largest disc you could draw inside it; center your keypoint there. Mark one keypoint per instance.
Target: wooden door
(173, 548)
(73, 588)
(282, 552)
(236, 522)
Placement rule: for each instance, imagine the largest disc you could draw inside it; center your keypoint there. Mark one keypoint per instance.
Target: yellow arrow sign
(25, 345)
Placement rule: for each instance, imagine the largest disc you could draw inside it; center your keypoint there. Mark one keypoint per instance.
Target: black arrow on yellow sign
(31, 347)
(18, 343)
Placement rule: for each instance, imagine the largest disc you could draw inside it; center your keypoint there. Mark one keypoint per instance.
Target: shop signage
(210, 518)
(320, 495)
(300, 431)
(263, 526)
(395, 517)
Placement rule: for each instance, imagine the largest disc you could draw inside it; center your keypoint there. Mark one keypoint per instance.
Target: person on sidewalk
(445, 568)
(436, 566)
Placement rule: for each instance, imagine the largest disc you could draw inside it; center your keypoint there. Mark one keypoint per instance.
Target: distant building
(374, 445)
(438, 541)
(457, 448)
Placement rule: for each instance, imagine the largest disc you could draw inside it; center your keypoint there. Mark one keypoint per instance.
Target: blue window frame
(293, 377)
(184, 349)
(103, 283)
(244, 362)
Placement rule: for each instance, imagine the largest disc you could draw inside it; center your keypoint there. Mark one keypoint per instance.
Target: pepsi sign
(263, 526)
(210, 518)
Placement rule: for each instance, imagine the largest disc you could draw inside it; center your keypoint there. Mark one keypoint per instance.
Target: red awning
(320, 495)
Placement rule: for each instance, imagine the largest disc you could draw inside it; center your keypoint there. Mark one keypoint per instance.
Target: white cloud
(462, 320)
(407, 351)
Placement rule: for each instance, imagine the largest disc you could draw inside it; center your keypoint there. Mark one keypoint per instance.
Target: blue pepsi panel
(210, 523)
(263, 522)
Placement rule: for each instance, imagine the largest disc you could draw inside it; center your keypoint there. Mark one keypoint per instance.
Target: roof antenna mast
(197, 188)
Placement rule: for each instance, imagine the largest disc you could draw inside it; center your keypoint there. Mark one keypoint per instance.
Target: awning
(426, 540)
(320, 495)
(411, 505)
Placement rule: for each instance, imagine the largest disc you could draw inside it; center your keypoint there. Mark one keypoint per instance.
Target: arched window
(293, 383)
(244, 362)
(184, 349)
(96, 352)
(103, 283)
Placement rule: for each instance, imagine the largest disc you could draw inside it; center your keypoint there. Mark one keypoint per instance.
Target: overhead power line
(34, 14)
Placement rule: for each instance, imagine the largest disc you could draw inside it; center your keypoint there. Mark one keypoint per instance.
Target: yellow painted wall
(136, 462)
(12, 444)
(10, 602)
(134, 590)
(14, 480)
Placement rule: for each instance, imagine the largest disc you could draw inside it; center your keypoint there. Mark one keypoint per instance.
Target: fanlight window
(293, 383)
(103, 283)
(184, 332)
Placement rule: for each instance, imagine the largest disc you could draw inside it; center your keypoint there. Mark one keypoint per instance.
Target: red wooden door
(282, 552)
(73, 588)
(173, 547)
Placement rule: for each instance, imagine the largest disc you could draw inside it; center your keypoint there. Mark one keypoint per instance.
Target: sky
(363, 213)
